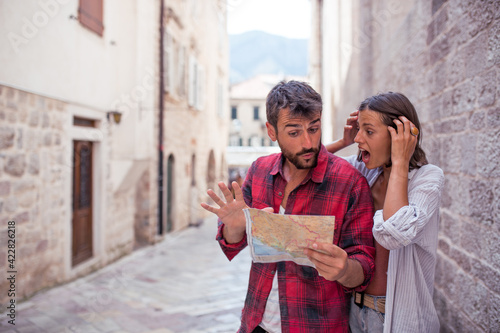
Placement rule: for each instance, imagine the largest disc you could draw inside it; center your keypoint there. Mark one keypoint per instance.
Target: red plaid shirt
(308, 302)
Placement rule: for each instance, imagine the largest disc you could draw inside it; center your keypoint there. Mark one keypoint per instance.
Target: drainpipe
(160, 132)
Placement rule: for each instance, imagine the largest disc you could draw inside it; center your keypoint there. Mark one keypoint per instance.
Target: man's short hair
(300, 97)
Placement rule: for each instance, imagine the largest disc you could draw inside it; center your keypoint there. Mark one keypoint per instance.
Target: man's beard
(297, 162)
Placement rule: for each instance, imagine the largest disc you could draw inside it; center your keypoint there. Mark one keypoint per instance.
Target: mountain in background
(257, 52)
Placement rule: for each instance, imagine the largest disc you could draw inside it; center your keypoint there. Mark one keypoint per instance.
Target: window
(255, 113)
(90, 14)
(181, 89)
(234, 112)
(168, 61)
(192, 92)
(196, 92)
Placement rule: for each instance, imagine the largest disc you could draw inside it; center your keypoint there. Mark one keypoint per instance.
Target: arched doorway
(211, 171)
(170, 192)
(195, 202)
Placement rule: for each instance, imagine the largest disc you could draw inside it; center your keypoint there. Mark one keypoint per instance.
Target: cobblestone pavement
(183, 284)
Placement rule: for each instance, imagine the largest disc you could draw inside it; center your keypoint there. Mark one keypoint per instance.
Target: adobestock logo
(30, 27)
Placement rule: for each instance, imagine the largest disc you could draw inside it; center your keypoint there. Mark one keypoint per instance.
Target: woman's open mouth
(365, 155)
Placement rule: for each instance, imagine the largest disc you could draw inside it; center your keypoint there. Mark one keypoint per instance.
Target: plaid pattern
(308, 302)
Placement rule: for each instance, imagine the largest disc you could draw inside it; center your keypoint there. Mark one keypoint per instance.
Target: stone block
(493, 118)
(460, 258)
(486, 88)
(451, 126)
(23, 186)
(493, 317)
(27, 199)
(11, 95)
(482, 198)
(34, 164)
(432, 148)
(444, 246)
(450, 227)
(22, 218)
(477, 121)
(10, 204)
(34, 118)
(442, 306)
(494, 44)
(7, 135)
(436, 4)
(15, 165)
(475, 306)
(446, 199)
(20, 138)
(11, 114)
(487, 153)
(476, 55)
(40, 102)
(57, 139)
(437, 26)
(468, 152)
(4, 188)
(460, 323)
(47, 139)
(490, 276)
(464, 98)
(42, 246)
(455, 195)
(470, 238)
(439, 49)
(481, 15)
(439, 80)
(492, 248)
(45, 120)
(452, 155)
(447, 108)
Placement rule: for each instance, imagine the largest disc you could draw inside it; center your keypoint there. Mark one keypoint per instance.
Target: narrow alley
(183, 284)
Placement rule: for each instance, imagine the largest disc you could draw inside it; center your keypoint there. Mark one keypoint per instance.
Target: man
(304, 179)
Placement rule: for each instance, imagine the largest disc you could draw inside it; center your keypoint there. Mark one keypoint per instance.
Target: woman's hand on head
(351, 128)
(403, 142)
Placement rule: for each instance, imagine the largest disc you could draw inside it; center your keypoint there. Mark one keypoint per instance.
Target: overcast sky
(289, 18)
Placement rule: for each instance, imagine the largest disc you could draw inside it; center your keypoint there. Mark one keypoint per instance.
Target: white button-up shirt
(411, 235)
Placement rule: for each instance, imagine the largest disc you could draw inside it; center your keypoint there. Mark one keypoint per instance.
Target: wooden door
(82, 201)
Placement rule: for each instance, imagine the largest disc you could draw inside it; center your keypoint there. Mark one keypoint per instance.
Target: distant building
(248, 110)
(113, 121)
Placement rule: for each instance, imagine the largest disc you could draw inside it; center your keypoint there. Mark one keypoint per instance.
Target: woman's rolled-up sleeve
(408, 223)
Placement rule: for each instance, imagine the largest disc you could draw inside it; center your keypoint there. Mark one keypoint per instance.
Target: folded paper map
(277, 237)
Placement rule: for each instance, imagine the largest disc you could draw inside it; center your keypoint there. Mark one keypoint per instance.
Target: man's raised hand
(229, 212)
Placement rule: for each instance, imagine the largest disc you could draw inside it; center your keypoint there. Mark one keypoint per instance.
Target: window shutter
(192, 81)
(200, 100)
(167, 61)
(90, 15)
(182, 71)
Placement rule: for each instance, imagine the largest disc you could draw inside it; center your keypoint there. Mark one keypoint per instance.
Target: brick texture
(445, 56)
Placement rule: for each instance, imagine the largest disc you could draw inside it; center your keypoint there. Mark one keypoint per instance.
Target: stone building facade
(196, 106)
(81, 185)
(445, 56)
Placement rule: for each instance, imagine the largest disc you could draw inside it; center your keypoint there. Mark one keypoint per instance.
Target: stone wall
(445, 56)
(195, 128)
(32, 167)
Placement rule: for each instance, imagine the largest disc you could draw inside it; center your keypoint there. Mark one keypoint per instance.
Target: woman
(406, 192)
